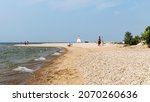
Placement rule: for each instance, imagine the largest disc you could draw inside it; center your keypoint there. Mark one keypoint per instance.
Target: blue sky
(64, 20)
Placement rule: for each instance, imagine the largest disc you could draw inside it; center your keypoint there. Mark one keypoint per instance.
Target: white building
(78, 39)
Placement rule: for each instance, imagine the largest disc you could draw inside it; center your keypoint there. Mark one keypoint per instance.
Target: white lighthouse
(78, 39)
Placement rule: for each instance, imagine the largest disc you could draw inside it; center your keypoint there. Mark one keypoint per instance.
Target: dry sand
(86, 63)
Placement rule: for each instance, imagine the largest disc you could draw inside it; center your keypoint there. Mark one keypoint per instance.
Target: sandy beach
(89, 64)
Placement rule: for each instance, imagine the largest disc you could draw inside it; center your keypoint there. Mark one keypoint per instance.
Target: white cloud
(69, 5)
(77, 4)
(108, 4)
(32, 2)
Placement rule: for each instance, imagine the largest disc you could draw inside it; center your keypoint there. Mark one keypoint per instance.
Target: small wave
(23, 69)
(61, 51)
(40, 59)
(56, 54)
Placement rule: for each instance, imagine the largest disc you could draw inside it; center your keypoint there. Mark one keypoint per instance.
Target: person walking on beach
(99, 41)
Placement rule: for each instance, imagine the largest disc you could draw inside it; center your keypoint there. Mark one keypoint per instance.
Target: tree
(128, 38)
(136, 40)
(146, 36)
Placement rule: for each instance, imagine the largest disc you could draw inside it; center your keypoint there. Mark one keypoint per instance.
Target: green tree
(128, 38)
(146, 36)
(136, 40)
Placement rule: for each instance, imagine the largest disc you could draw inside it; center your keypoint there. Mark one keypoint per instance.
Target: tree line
(144, 38)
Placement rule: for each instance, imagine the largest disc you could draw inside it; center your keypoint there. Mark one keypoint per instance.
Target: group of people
(26, 42)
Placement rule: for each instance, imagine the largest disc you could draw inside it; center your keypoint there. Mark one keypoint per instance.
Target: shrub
(146, 36)
(136, 40)
(130, 40)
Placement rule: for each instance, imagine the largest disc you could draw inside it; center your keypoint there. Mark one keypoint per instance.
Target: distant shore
(89, 64)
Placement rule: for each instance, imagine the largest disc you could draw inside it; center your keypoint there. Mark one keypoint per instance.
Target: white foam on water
(23, 69)
(40, 59)
(56, 54)
(61, 51)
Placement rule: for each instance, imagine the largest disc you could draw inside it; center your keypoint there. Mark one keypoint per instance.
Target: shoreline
(58, 71)
(24, 62)
(89, 64)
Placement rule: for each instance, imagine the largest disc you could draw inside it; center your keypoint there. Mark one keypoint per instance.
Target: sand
(89, 64)
(62, 70)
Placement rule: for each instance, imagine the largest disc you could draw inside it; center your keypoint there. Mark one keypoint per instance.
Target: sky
(64, 20)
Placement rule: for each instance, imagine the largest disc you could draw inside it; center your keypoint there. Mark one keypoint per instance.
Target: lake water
(18, 63)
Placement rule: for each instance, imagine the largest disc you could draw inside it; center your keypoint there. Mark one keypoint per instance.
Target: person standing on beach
(25, 43)
(99, 41)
